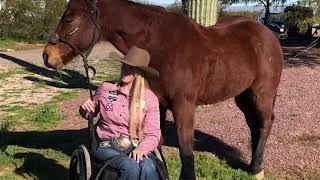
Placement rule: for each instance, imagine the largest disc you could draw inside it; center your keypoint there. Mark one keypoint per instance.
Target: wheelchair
(84, 166)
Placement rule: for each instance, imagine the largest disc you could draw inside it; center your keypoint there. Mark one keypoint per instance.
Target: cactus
(203, 11)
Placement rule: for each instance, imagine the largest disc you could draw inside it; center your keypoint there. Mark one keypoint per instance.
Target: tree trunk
(205, 12)
(267, 14)
(185, 7)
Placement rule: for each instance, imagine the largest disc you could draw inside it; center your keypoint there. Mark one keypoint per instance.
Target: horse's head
(76, 33)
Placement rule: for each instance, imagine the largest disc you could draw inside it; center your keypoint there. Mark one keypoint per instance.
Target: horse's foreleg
(163, 115)
(183, 115)
(258, 111)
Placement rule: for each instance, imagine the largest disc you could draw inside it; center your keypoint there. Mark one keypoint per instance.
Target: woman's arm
(84, 113)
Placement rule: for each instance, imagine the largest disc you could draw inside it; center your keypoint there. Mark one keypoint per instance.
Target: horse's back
(245, 53)
(248, 35)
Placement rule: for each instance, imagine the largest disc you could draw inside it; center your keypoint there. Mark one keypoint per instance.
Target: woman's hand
(88, 106)
(137, 155)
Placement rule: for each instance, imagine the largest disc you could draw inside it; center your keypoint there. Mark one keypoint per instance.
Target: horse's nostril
(45, 56)
(45, 59)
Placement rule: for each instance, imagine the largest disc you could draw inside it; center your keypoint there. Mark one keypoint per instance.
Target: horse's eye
(67, 20)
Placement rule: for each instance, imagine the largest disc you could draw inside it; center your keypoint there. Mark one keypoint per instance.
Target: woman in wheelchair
(129, 118)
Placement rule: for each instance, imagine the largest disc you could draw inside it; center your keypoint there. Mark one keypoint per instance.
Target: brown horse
(235, 58)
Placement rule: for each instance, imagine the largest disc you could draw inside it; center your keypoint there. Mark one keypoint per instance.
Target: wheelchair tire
(80, 164)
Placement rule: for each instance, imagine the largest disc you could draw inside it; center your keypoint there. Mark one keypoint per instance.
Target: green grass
(207, 166)
(107, 70)
(47, 116)
(47, 163)
(10, 43)
(6, 43)
(29, 163)
(39, 117)
(40, 83)
(12, 72)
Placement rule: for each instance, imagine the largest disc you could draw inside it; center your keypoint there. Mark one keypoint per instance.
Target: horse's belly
(212, 96)
(221, 86)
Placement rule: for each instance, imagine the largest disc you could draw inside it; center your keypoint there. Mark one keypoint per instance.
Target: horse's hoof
(259, 175)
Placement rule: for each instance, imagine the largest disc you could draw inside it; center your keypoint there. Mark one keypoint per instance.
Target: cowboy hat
(138, 58)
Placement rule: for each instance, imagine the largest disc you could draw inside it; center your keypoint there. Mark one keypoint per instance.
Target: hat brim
(148, 72)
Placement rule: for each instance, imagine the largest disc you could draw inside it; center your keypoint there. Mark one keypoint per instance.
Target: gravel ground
(292, 151)
(34, 56)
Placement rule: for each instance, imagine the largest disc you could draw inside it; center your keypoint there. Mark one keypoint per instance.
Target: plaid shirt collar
(117, 87)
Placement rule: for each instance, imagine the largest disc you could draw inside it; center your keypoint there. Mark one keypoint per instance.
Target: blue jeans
(128, 168)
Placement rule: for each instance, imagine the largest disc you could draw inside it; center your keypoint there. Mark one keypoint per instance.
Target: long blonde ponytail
(136, 109)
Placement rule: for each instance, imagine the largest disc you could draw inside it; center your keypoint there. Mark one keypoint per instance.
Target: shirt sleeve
(98, 93)
(151, 127)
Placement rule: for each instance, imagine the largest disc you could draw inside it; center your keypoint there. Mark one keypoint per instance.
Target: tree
(266, 4)
(299, 20)
(313, 4)
(29, 19)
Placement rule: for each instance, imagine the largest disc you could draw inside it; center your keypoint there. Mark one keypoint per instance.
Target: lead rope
(311, 45)
(93, 139)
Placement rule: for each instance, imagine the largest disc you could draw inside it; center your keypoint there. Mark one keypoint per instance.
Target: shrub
(252, 15)
(175, 7)
(29, 19)
(298, 20)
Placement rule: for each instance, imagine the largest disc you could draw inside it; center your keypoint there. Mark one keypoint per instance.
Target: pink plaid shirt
(113, 105)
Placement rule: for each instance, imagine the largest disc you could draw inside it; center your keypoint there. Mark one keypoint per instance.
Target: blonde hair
(136, 107)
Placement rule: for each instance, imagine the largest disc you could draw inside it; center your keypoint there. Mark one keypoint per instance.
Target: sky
(161, 2)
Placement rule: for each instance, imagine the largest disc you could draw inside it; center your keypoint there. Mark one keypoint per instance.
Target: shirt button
(122, 105)
(120, 115)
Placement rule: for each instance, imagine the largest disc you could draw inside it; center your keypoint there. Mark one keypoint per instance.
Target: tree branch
(264, 4)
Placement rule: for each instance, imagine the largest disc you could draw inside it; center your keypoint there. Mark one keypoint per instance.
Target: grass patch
(64, 96)
(47, 163)
(47, 115)
(107, 70)
(6, 43)
(12, 72)
(42, 116)
(207, 167)
(103, 77)
(304, 138)
(40, 83)
(29, 163)
(216, 121)
(19, 44)
(17, 114)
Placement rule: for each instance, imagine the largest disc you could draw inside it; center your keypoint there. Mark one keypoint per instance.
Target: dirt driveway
(293, 148)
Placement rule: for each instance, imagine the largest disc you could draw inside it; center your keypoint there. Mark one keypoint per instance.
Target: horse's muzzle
(53, 38)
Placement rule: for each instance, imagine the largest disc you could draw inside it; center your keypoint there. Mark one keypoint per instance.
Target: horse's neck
(129, 21)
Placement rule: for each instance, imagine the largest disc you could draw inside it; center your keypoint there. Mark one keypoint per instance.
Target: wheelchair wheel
(80, 164)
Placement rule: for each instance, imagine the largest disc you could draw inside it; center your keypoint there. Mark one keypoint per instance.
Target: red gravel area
(292, 151)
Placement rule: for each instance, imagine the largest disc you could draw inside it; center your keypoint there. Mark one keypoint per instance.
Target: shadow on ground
(69, 79)
(206, 143)
(62, 140)
(38, 166)
(297, 54)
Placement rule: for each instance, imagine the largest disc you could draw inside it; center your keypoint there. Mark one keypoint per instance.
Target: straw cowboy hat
(138, 58)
